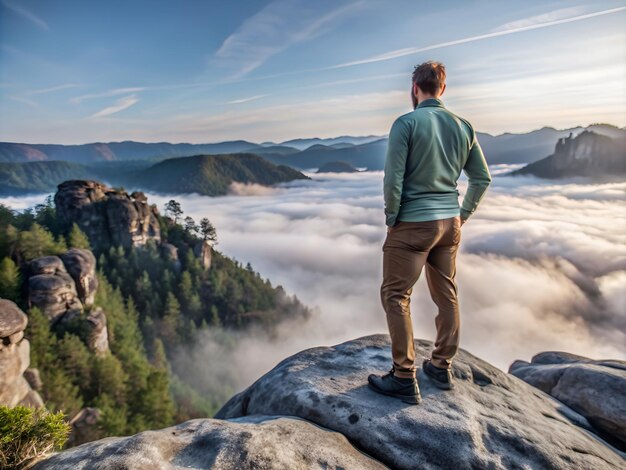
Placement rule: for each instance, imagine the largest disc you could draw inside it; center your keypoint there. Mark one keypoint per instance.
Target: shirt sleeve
(395, 164)
(479, 179)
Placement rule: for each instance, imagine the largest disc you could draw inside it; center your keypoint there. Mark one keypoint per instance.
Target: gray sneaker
(389, 384)
(441, 378)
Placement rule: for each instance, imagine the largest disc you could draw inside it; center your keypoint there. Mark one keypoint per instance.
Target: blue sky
(207, 71)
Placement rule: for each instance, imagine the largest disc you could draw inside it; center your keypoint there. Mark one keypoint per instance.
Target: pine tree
(77, 238)
(171, 323)
(9, 280)
(38, 242)
(173, 210)
(207, 231)
(159, 358)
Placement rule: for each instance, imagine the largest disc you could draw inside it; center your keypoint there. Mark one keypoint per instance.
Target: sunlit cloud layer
(542, 266)
(539, 269)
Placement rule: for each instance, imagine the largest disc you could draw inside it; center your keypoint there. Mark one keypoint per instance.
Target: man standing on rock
(428, 148)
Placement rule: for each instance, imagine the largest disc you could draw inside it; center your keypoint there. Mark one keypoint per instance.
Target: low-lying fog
(542, 266)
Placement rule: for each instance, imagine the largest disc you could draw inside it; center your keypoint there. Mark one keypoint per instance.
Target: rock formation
(109, 217)
(14, 358)
(256, 442)
(492, 420)
(588, 154)
(51, 288)
(314, 410)
(98, 339)
(61, 286)
(203, 252)
(595, 389)
(58, 285)
(81, 265)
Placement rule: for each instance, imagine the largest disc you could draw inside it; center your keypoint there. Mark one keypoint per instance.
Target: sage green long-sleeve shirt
(428, 148)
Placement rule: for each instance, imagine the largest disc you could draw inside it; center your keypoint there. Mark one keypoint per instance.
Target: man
(428, 148)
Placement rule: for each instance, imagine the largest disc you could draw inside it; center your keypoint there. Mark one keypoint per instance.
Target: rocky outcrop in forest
(18, 383)
(109, 217)
(314, 410)
(62, 286)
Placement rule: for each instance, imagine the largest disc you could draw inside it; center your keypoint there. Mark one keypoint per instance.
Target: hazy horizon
(384, 136)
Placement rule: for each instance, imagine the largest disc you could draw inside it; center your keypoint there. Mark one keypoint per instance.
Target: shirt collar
(431, 102)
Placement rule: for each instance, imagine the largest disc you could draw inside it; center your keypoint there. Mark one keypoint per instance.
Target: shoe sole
(410, 400)
(440, 385)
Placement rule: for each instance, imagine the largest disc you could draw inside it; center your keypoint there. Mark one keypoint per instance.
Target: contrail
(414, 50)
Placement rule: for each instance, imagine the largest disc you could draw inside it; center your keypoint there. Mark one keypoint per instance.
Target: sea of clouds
(542, 266)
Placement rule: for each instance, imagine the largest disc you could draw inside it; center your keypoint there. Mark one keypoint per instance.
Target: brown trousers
(408, 247)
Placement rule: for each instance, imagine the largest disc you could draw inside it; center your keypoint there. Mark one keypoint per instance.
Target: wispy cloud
(21, 99)
(121, 104)
(51, 89)
(530, 24)
(543, 18)
(26, 14)
(279, 25)
(245, 100)
(105, 94)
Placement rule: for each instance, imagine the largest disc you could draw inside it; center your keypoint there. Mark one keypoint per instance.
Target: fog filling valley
(542, 266)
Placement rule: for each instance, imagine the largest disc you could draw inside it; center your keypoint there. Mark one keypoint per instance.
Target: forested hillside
(155, 294)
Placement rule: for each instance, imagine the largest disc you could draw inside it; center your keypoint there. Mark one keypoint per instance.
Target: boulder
(108, 216)
(14, 358)
(12, 319)
(98, 339)
(81, 265)
(491, 420)
(47, 265)
(255, 442)
(54, 294)
(595, 389)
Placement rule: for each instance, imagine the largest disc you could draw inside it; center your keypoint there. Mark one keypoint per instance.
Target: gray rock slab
(260, 442)
(595, 389)
(492, 420)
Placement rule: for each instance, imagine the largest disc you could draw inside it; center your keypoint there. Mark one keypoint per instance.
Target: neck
(426, 97)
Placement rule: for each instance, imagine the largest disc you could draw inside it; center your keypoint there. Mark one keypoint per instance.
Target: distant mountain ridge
(588, 154)
(303, 144)
(366, 151)
(210, 175)
(116, 151)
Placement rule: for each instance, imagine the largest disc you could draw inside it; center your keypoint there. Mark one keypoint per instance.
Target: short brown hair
(429, 76)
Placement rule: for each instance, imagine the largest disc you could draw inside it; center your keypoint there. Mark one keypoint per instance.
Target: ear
(443, 88)
(415, 88)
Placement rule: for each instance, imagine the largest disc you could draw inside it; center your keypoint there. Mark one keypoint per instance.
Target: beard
(413, 98)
